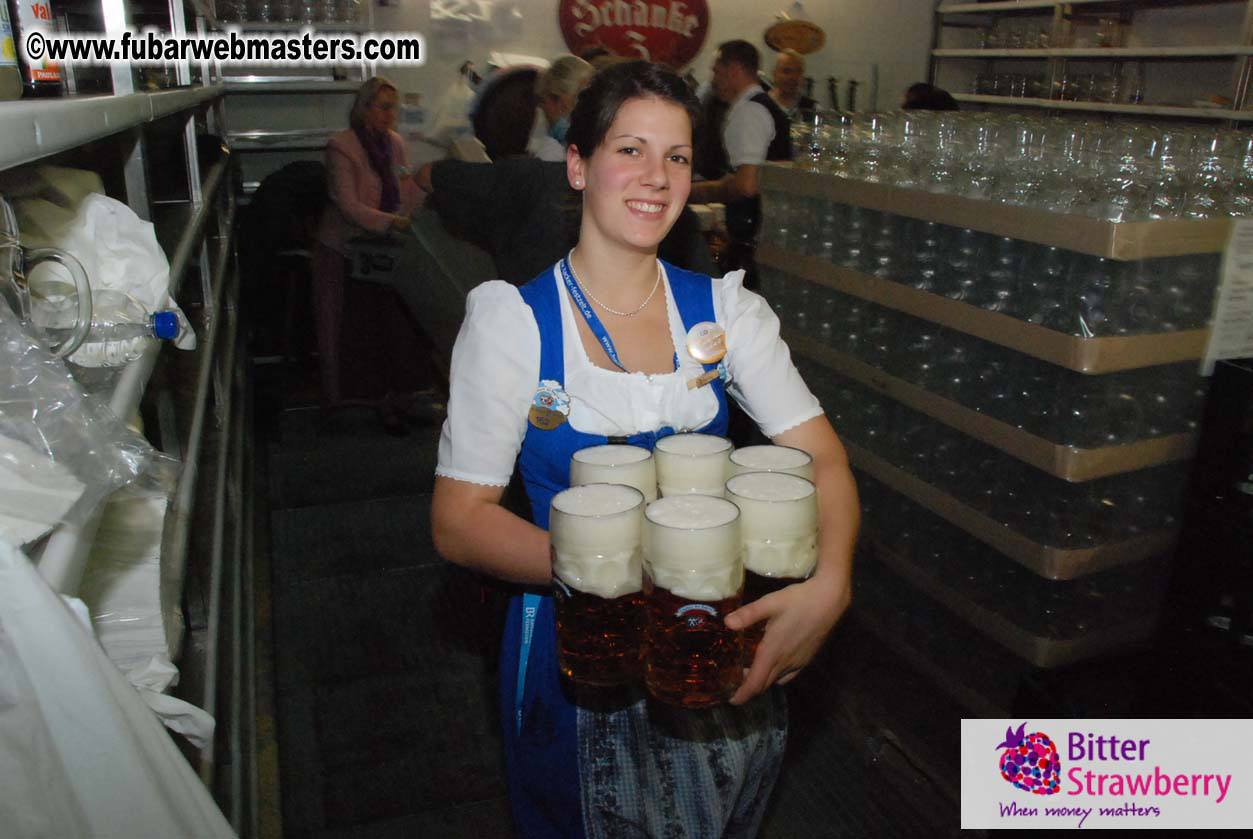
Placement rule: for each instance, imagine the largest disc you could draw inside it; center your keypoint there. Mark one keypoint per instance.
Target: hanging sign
(670, 32)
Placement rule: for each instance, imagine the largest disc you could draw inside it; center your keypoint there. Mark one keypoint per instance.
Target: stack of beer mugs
(652, 550)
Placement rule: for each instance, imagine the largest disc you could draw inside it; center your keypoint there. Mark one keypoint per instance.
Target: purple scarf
(379, 149)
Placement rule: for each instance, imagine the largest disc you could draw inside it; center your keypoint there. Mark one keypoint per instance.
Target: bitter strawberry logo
(1030, 761)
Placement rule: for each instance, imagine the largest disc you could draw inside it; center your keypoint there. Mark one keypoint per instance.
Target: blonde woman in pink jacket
(371, 191)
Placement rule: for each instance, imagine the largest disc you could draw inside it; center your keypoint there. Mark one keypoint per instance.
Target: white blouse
(495, 372)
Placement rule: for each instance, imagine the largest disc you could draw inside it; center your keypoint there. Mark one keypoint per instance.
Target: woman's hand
(799, 618)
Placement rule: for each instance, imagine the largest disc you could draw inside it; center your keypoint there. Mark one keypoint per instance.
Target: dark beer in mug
(598, 638)
(693, 578)
(597, 580)
(779, 528)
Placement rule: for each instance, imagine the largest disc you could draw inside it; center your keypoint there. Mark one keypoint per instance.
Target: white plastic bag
(44, 415)
(118, 250)
(81, 754)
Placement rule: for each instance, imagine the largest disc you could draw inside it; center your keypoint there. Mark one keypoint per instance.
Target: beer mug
(616, 464)
(595, 535)
(16, 265)
(779, 528)
(692, 464)
(773, 459)
(693, 578)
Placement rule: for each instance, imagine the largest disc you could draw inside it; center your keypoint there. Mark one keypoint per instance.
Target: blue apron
(540, 731)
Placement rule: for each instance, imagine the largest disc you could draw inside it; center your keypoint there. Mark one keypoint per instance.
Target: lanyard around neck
(589, 315)
(593, 321)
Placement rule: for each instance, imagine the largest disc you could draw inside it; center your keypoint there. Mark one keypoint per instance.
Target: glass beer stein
(693, 578)
(616, 464)
(595, 532)
(779, 528)
(772, 459)
(692, 464)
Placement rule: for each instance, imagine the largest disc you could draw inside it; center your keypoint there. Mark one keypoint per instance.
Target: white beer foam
(773, 459)
(595, 532)
(692, 546)
(692, 464)
(770, 486)
(612, 454)
(615, 464)
(779, 523)
(693, 443)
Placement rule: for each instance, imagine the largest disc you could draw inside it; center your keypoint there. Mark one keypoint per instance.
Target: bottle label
(8, 50)
(36, 16)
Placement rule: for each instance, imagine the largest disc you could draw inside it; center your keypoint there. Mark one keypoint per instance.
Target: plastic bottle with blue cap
(121, 328)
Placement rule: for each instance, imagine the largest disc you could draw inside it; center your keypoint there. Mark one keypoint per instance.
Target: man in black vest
(754, 130)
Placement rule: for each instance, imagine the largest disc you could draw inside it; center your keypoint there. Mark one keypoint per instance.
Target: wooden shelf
(1083, 355)
(992, 53)
(1125, 241)
(1041, 650)
(1006, 6)
(1025, 5)
(1048, 562)
(1110, 53)
(1105, 107)
(1066, 462)
(890, 635)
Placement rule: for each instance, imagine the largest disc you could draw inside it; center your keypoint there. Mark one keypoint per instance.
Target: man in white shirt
(755, 130)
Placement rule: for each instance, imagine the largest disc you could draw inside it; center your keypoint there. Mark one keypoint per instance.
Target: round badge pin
(707, 342)
(550, 406)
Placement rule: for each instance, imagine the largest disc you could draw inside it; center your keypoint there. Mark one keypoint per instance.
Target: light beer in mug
(779, 528)
(693, 578)
(692, 464)
(595, 532)
(772, 459)
(616, 464)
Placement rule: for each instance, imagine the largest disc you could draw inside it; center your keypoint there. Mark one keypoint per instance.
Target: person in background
(370, 191)
(621, 765)
(787, 76)
(754, 130)
(524, 214)
(556, 89)
(925, 97)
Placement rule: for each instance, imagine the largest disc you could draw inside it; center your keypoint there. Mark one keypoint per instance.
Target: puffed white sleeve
(764, 381)
(495, 369)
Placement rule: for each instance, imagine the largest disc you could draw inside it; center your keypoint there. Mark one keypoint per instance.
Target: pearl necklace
(592, 297)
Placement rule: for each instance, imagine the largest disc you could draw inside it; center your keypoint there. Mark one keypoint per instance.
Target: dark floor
(384, 657)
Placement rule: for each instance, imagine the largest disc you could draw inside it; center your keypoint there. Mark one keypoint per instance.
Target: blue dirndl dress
(636, 768)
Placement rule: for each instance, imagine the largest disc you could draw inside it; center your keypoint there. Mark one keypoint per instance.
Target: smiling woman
(603, 336)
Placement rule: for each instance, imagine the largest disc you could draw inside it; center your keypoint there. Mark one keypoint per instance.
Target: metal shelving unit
(282, 133)
(36, 128)
(194, 411)
(952, 19)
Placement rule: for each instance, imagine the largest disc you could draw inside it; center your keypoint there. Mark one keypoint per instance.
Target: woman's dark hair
(925, 97)
(613, 87)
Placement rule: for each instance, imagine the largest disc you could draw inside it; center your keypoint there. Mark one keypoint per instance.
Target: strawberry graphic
(1030, 761)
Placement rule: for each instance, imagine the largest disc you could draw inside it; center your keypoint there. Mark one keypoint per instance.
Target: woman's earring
(578, 183)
